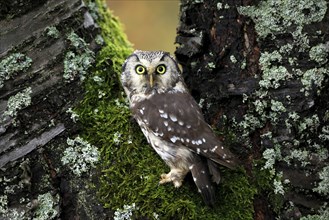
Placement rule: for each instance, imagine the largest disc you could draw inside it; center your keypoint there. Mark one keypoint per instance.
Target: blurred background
(149, 24)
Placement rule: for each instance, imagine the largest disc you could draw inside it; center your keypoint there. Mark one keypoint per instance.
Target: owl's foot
(176, 176)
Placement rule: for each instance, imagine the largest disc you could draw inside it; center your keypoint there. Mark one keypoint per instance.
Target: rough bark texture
(254, 72)
(40, 79)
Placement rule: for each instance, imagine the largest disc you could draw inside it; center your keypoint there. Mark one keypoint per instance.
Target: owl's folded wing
(177, 119)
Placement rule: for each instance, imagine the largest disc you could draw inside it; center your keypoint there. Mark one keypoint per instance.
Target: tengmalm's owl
(172, 121)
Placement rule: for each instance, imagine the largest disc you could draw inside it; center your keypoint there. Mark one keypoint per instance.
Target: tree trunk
(260, 71)
(46, 48)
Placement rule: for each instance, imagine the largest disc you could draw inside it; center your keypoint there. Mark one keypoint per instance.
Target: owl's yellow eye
(140, 69)
(161, 69)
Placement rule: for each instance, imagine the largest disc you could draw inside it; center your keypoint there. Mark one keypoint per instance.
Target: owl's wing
(177, 119)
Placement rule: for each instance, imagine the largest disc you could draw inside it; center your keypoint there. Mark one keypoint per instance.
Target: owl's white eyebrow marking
(165, 123)
(173, 117)
(213, 149)
(174, 139)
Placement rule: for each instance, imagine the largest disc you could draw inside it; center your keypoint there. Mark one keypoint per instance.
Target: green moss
(130, 167)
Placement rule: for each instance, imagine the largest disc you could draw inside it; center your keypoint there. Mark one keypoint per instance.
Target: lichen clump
(281, 68)
(77, 60)
(12, 65)
(18, 102)
(47, 207)
(80, 156)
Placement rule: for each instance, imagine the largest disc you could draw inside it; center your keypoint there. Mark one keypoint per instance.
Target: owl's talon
(177, 184)
(165, 178)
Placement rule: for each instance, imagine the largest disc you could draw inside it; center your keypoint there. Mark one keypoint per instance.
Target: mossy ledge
(130, 169)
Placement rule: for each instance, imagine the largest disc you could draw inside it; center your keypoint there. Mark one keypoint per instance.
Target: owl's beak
(150, 72)
(151, 80)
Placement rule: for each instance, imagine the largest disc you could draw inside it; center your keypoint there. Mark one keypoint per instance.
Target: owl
(172, 121)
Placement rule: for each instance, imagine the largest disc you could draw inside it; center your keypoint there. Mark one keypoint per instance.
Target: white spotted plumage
(172, 121)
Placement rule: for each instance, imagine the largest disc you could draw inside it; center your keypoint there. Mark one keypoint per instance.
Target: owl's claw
(166, 178)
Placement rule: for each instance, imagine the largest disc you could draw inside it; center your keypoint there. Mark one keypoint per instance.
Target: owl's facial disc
(150, 72)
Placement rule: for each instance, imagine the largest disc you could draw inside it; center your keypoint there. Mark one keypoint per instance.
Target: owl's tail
(202, 179)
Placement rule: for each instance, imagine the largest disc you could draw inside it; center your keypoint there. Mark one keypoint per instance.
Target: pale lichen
(80, 156)
(314, 77)
(78, 60)
(287, 14)
(17, 102)
(12, 65)
(47, 207)
(319, 53)
(323, 185)
(52, 31)
(125, 213)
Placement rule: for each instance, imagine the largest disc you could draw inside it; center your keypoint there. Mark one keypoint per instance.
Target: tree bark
(41, 43)
(260, 71)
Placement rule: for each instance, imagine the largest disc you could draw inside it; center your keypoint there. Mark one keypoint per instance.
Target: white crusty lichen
(277, 184)
(319, 53)
(125, 213)
(74, 115)
(233, 59)
(78, 60)
(323, 185)
(47, 207)
(52, 31)
(17, 102)
(12, 65)
(117, 138)
(272, 74)
(313, 77)
(287, 14)
(3, 204)
(80, 156)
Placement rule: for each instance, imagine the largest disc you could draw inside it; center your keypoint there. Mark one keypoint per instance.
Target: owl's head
(145, 72)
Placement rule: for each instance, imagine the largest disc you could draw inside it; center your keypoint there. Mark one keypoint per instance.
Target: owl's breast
(173, 155)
